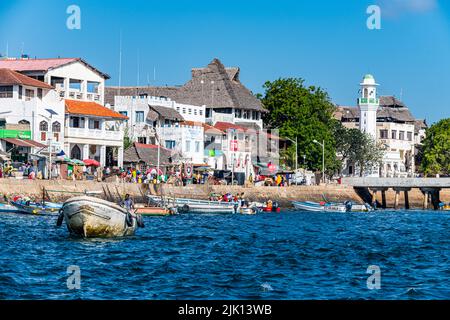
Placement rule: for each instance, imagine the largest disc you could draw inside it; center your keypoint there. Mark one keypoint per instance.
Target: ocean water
(293, 255)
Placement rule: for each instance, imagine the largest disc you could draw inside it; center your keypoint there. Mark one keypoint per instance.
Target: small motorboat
(7, 208)
(92, 217)
(249, 210)
(24, 205)
(347, 206)
(319, 207)
(196, 206)
(444, 206)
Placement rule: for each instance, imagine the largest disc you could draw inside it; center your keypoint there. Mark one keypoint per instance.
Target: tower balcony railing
(368, 100)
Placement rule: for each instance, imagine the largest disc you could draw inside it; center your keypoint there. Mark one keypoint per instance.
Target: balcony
(94, 134)
(93, 97)
(368, 101)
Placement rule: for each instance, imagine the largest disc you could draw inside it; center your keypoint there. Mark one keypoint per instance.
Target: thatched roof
(157, 112)
(148, 154)
(391, 110)
(420, 124)
(213, 86)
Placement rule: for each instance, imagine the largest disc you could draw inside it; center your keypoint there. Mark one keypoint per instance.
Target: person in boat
(128, 203)
(269, 205)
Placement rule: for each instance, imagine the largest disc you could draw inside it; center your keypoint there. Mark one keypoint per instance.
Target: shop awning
(25, 143)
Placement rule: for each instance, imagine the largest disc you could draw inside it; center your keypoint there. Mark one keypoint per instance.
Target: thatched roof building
(214, 86)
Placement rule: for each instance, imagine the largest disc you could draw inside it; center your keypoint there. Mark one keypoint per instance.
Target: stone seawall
(59, 190)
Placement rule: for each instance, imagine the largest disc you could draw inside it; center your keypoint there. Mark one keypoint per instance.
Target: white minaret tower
(368, 105)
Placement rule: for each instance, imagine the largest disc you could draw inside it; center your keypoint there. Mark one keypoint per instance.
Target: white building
(392, 125)
(91, 130)
(31, 116)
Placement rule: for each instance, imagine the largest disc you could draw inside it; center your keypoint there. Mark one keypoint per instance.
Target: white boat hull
(92, 217)
(198, 206)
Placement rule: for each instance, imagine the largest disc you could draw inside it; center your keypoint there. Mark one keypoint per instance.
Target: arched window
(56, 126)
(24, 122)
(366, 93)
(76, 152)
(43, 126)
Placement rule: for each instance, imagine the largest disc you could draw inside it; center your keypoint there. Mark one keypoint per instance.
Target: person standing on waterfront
(128, 203)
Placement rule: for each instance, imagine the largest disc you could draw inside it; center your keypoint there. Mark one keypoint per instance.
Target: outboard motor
(60, 218)
(348, 206)
(275, 206)
(140, 221)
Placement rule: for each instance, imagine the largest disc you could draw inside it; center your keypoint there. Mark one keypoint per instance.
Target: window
(56, 136)
(409, 135)
(200, 112)
(75, 84)
(142, 140)
(394, 134)
(190, 111)
(6, 91)
(170, 144)
(94, 124)
(20, 92)
(197, 146)
(139, 116)
(43, 126)
(178, 109)
(238, 113)
(92, 87)
(56, 126)
(184, 110)
(383, 134)
(401, 135)
(29, 94)
(195, 112)
(76, 122)
(43, 136)
(39, 93)
(188, 145)
(124, 113)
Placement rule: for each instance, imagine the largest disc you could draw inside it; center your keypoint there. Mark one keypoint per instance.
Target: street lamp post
(296, 151)
(323, 158)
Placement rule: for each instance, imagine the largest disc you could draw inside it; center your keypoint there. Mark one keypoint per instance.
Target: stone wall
(59, 190)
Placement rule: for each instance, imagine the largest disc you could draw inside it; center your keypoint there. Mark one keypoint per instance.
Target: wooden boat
(155, 211)
(317, 207)
(197, 206)
(92, 217)
(348, 206)
(445, 206)
(7, 208)
(249, 210)
(24, 206)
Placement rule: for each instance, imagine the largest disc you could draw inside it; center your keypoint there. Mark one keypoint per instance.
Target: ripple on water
(288, 256)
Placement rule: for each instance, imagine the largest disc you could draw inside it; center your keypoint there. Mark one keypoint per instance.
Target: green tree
(436, 149)
(365, 153)
(127, 142)
(305, 113)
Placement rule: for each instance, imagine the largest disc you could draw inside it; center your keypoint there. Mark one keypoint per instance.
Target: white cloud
(398, 7)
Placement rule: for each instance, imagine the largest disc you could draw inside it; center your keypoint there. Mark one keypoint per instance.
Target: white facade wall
(33, 110)
(78, 71)
(189, 140)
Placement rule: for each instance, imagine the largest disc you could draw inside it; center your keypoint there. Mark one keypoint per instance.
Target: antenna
(120, 61)
(138, 67)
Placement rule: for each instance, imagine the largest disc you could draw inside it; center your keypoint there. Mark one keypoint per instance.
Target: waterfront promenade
(60, 190)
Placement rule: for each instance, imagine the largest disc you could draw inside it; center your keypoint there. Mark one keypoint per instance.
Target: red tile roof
(91, 109)
(34, 64)
(224, 126)
(25, 143)
(11, 77)
(23, 65)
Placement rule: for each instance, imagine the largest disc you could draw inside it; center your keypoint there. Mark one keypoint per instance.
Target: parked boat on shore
(92, 217)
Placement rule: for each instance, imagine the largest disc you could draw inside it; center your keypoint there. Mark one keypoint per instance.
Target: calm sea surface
(293, 255)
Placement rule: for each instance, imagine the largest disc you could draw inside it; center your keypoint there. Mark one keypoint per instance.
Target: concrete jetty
(430, 188)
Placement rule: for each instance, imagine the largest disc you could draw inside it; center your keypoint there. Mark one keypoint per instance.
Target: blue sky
(325, 42)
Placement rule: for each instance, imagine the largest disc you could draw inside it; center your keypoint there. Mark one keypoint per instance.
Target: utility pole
(323, 158)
